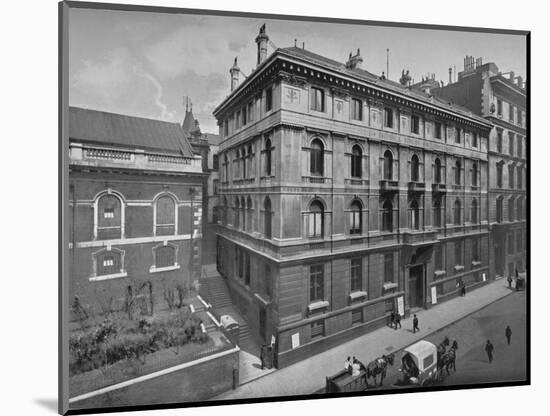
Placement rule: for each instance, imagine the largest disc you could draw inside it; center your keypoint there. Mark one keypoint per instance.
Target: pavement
(308, 376)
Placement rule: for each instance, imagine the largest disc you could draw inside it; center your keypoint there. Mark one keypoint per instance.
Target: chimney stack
(261, 41)
(450, 75)
(234, 71)
(354, 61)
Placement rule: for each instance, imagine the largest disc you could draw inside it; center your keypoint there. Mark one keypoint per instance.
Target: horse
(442, 348)
(379, 366)
(451, 359)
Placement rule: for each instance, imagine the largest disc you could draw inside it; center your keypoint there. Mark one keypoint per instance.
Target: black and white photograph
(259, 207)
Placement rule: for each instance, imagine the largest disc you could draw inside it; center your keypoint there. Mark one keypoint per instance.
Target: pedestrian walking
(397, 320)
(489, 350)
(415, 324)
(392, 319)
(508, 334)
(262, 356)
(509, 282)
(463, 289)
(455, 345)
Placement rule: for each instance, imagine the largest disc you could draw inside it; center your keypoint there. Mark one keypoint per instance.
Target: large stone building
(135, 209)
(344, 196)
(501, 99)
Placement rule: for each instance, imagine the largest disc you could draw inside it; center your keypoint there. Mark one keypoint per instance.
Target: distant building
(135, 208)
(344, 196)
(501, 99)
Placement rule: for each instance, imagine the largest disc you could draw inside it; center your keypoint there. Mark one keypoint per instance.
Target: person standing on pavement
(509, 282)
(508, 334)
(415, 324)
(489, 350)
(392, 320)
(463, 289)
(397, 320)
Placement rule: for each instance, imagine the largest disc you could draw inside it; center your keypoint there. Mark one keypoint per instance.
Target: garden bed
(108, 350)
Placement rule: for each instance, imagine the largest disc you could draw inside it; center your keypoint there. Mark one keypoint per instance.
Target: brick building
(343, 196)
(135, 208)
(501, 99)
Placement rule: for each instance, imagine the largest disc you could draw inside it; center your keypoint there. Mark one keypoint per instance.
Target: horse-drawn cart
(344, 381)
(419, 364)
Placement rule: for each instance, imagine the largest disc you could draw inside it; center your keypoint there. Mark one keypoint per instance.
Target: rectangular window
(415, 124)
(316, 283)
(458, 253)
(109, 213)
(244, 116)
(268, 99)
(388, 117)
(356, 274)
(108, 263)
(457, 134)
(520, 146)
(511, 176)
(238, 120)
(357, 316)
(355, 222)
(357, 111)
(474, 139)
(499, 141)
(226, 128)
(511, 115)
(388, 268)
(499, 108)
(317, 99)
(475, 249)
(215, 162)
(438, 258)
(250, 111)
(437, 130)
(511, 143)
(520, 117)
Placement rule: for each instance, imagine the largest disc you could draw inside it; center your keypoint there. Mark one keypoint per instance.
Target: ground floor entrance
(416, 286)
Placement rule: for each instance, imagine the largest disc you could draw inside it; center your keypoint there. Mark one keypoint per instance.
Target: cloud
(165, 114)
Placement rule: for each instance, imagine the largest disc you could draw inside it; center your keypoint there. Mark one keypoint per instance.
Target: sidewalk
(309, 375)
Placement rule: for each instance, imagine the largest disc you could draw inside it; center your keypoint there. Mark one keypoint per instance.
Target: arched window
(236, 213)
(414, 169)
(109, 217)
(387, 216)
(414, 215)
(244, 158)
(456, 212)
(474, 211)
(355, 218)
(388, 165)
(316, 219)
(437, 212)
(458, 167)
(165, 256)
(165, 220)
(356, 161)
(243, 213)
(437, 171)
(267, 217)
(474, 174)
(500, 201)
(249, 214)
(499, 174)
(511, 209)
(317, 158)
(267, 151)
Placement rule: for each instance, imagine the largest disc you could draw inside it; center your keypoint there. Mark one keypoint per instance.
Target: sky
(144, 64)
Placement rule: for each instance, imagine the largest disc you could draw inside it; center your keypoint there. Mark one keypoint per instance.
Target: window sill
(458, 268)
(389, 286)
(108, 276)
(154, 269)
(439, 273)
(359, 294)
(316, 306)
(476, 263)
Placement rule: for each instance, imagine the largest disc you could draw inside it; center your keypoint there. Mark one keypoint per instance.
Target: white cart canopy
(424, 354)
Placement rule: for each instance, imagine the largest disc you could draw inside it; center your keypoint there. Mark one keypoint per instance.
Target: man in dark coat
(508, 333)
(397, 320)
(415, 324)
(392, 320)
(509, 282)
(489, 350)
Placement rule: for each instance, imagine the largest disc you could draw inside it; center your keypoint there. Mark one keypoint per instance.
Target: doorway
(416, 286)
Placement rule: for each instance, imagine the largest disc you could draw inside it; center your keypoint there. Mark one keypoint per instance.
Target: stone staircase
(214, 290)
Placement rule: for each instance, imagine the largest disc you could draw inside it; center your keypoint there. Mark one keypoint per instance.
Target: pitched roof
(110, 128)
(375, 79)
